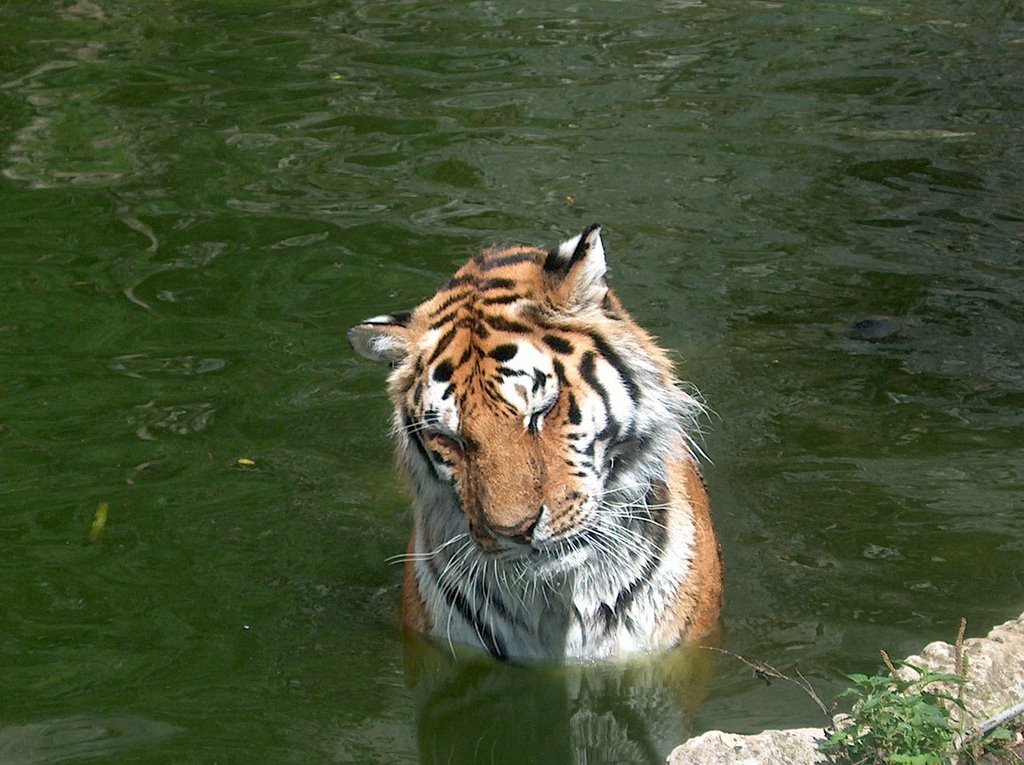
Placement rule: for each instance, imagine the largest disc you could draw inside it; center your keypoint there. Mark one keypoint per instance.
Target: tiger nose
(521, 533)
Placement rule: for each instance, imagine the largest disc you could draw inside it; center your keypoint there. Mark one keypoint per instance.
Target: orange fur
(414, 612)
(700, 595)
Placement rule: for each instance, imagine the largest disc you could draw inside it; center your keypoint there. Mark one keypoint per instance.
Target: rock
(995, 682)
(874, 329)
(795, 746)
(995, 669)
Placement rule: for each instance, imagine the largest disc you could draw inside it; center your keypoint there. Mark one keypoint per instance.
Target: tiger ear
(579, 266)
(384, 339)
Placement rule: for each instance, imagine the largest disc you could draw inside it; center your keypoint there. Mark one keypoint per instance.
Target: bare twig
(767, 673)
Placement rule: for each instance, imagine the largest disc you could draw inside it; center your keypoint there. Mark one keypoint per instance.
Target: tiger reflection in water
(624, 712)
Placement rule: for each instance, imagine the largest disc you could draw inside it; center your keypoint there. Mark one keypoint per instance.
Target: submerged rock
(874, 330)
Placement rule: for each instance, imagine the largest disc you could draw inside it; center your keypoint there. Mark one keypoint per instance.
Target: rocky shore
(995, 682)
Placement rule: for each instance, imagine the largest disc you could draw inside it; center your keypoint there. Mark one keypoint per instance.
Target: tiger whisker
(417, 556)
(612, 546)
(457, 561)
(631, 513)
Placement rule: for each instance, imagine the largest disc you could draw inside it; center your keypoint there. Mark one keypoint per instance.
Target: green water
(197, 199)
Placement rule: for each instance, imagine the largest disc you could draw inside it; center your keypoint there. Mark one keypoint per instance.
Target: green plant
(906, 718)
(896, 720)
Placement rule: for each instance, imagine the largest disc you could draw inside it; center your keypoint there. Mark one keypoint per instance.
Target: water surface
(198, 200)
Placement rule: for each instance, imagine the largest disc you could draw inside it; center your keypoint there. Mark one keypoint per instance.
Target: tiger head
(524, 392)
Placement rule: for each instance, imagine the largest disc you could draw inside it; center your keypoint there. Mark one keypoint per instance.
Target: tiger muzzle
(503, 497)
(521, 533)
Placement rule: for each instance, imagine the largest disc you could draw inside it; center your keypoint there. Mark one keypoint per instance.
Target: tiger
(559, 510)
